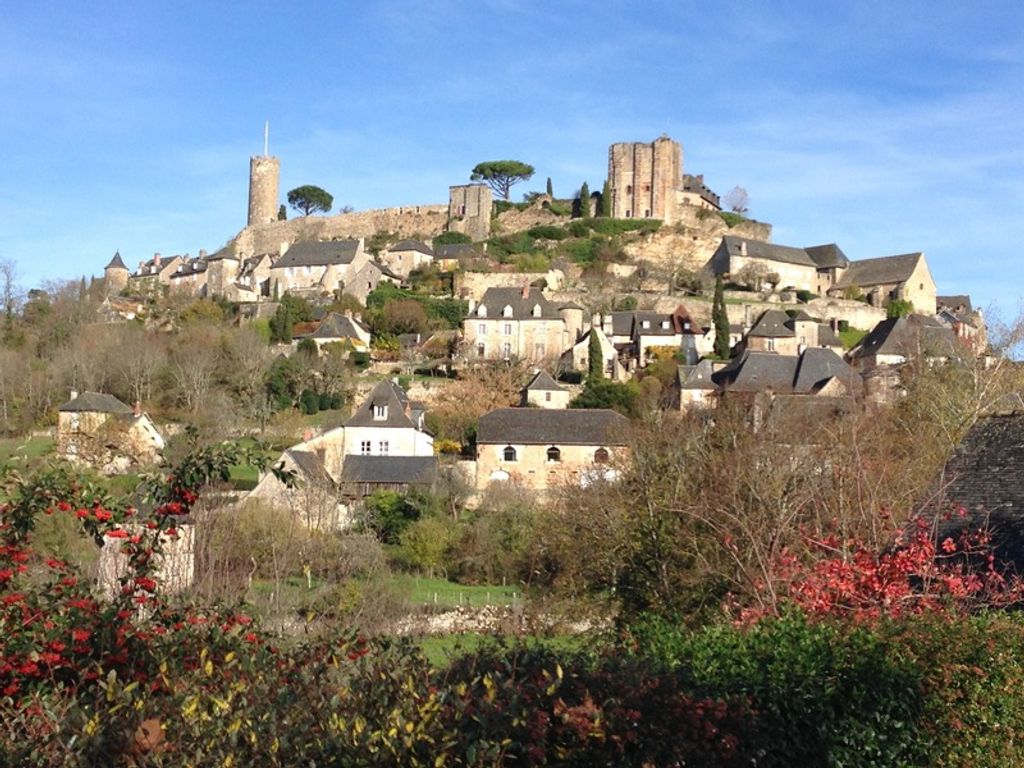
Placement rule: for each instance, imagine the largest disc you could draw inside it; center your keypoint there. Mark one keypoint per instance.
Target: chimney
(202, 253)
(307, 435)
(526, 290)
(74, 393)
(142, 265)
(137, 409)
(156, 260)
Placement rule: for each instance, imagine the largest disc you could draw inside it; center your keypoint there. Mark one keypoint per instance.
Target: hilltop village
(564, 290)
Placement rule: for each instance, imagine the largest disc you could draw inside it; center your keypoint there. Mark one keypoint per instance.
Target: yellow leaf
(208, 667)
(230, 657)
(408, 727)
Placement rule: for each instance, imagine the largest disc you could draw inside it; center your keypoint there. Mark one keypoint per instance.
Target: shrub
(451, 238)
(547, 232)
(309, 402)
(731, 219)
(578, 228)
(621, 226)
(805, 296)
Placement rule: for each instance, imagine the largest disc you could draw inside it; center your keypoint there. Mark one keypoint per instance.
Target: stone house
(99, 430)
(406, 256)
(388, 423)
(815, 269)
(367, 278)
(957, 314)
(345, 329)
(153, 274)
(541, 449)
(318, 268)
(544, 392)
(905, 277)
(253, 281)
(815, 371)
(313, 494)
(789, 334)
(577, 357)
(694, 387)
(190, 277)
(521, 324)
(364, 475)
(115, 276)
(454, 256)
(635, 333)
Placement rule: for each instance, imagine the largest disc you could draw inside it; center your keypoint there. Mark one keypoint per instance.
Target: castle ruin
(647, 181)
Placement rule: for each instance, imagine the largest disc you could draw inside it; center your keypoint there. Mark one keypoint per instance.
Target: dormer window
(507, 311)
(554, 454)
(481, 311)
(686, 325)
(664, 324)
(536, 310)
(380, 412)
(645, 323)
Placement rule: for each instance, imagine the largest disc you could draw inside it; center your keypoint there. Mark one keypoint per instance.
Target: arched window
(508, 453)
(554, 453)
(601, 456)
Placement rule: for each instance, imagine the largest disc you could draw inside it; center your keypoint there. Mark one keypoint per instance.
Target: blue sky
(886, 127)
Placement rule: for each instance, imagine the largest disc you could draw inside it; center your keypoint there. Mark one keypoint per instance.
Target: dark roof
(758, 371)
(622, 323)
(310, 466)
(496, 299)
(985, 477)
(95, 401)
(827, 337)
(227, 252)
(543, 382)
(773, 323)
(826, 256)
(389, 470)
(337, 326)
(908, 336)
(457, 251)
(536, 426)
(881, 271)
(758, 249)
(954, 303)
(116, 262)
(657, 322)
(190, 267)
(318, 254)
(411, 245)
(818, 365)
(393, 398)
(385, 271)
(696, 376)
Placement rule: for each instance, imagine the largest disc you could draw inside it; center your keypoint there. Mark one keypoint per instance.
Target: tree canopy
(309, 199)
(500, 175)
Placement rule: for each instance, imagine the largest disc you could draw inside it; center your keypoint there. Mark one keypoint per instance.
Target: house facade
(406, 256)
(98, 430)
(318, 268)
(514, 323)
(542, 449)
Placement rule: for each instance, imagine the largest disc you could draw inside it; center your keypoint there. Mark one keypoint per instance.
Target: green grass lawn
(25, 448)
(851, 337)
(420, 590)
(440, 650)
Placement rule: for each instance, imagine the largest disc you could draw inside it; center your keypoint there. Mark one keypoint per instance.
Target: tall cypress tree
(595, 360)
(720, 318)
(606, 200)
(585, 201)
(550, 188)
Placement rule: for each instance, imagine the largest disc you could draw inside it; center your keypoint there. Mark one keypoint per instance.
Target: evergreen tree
(595, 360)
(282, 213)
(720, 319)
(606, 200)
(585, 201)
(550, 189)
(281, 326)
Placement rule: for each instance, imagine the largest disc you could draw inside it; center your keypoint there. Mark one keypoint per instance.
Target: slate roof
(338, 326)
(190, 267)
(496, 299)
(758, 249)
(541, 426)
(985, 476)
(310, 466)
(98, 402)
(696, 376)
(385, 271)
(655, 319)
(116, 262)
(758, 371)
(773, 323)
(542, 382)
(390, 470)
(827, 337)
(224, 253)
(907, 336)
(954, 303)
(826, 256)
(818, 365)
(884, 270)
(411, 245)
(457, 251)
(391, 396)
(309, 253)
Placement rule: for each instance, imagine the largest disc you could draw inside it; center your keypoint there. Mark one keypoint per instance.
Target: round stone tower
(264, 177)
(115, 275)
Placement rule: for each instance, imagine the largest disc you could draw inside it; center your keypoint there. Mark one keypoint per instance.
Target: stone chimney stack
(202, 253)
(74, 393)
(156, 260)
(137, 409)
(526, 290)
